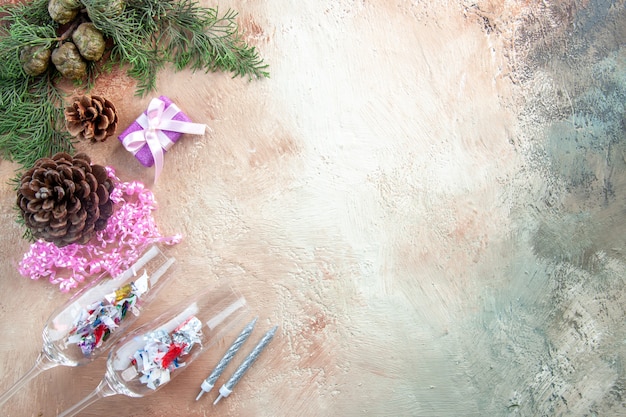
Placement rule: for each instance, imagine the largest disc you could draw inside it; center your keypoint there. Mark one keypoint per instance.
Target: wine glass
(149, 357)
(91, 321)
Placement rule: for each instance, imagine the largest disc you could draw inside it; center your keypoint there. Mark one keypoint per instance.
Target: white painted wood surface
(377, 199)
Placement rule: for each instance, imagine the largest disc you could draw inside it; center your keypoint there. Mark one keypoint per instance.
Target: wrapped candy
(163, 353)
(86, 326)
(149, 357)
(94, 324)
(156, 130)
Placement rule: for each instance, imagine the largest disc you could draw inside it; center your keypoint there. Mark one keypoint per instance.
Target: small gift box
(156, 130)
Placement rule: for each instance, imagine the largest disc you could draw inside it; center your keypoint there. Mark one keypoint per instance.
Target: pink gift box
(144, 155)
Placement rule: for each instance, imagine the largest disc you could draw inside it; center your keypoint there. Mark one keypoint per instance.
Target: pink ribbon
(129, 231)
(153, 122)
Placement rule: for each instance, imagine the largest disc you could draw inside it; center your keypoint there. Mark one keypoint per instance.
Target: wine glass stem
(103, 390)
(42, 363)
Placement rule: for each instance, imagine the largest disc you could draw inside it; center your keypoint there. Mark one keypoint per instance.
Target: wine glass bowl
(149, 357)
(88, 324)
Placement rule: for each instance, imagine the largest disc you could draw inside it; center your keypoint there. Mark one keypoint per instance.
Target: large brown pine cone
(65, 199)
(91, 118)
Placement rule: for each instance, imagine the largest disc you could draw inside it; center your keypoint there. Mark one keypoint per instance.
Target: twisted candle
(209, 383)
(227, 388)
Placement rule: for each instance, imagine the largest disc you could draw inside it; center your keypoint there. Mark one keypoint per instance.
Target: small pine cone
(89, 41)
(65, 199)
(60, 13)
(35, 60)
(69, 62)
(91, 118)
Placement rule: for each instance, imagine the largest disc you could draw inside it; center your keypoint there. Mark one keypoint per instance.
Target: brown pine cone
(91, 118)
(65, 199)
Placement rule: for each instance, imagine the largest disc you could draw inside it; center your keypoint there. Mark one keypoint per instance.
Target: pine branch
(29, 128)
(20, 34)
(35, 13)
(199, 38)
(150, 33)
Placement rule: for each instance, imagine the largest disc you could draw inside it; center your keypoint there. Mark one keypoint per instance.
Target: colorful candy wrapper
(95, 323)
(162, 353)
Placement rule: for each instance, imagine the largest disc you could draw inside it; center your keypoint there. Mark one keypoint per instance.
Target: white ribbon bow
(153, 122)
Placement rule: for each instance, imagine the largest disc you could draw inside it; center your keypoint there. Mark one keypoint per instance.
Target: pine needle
(29, 126)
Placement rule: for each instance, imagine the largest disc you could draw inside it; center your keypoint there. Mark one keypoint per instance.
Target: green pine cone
(117, 7)
(89, 41)
(35, 59)
(71, 4)
(59, 13)
(69, 62)
(113, 8)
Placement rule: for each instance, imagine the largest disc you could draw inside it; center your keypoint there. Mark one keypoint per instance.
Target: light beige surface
(362, 198)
